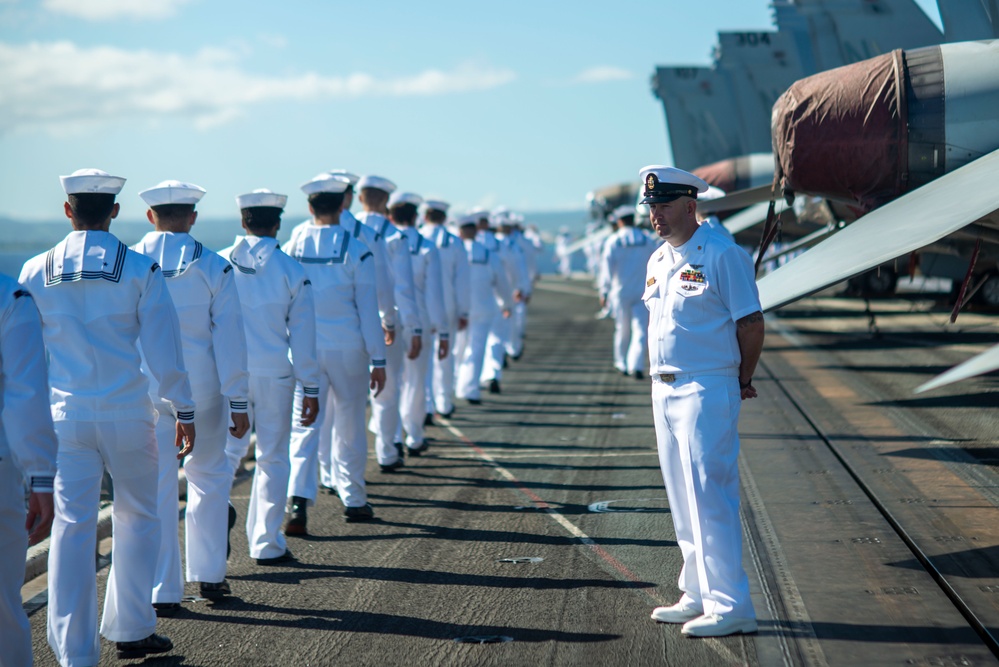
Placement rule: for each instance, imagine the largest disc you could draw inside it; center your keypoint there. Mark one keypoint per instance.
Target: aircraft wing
(912, 221)
(737, 200)
(595, 237)
(986, 362)
(743, 220)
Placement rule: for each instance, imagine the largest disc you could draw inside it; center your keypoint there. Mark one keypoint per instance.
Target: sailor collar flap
(85, 255)
(173, 252)
(252, 252)
(322, 245)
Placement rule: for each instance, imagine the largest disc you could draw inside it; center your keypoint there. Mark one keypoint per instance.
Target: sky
(525, 103)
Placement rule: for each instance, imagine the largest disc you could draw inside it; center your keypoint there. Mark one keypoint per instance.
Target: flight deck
(536, 530)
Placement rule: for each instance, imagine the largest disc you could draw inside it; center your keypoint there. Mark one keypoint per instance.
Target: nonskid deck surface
(536, 529)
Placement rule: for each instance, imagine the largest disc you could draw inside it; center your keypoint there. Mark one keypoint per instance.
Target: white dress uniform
(27, 453)
(96, 299)
(204, 293)
(625, 258)
(457, 292)
(348, 335)
(490, 296)
(695, 294)
(429, 293)
(385, 416)
(273, 287)
(501, 336)
(386, 309)
(518, 268)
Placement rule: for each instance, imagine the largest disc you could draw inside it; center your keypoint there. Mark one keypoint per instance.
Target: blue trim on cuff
(378, 363)
(238, 406)
(417, 332)
(43, 483)
(310, 391)
(185, 416)
(444, 335)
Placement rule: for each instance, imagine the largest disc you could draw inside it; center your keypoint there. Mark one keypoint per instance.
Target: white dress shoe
(714, 625)
(677, 613)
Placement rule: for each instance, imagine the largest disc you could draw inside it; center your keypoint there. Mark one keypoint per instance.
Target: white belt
(672, 378)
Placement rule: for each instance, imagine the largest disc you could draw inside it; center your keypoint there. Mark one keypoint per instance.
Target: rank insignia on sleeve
(650, 282)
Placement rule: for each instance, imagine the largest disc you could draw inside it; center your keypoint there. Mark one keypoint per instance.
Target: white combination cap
(437, 205)
(376, 182)
(172, 192)
(622, 211)
(404, 198)
(261, 197)
(663, 184)
(92, 181)
(353, 178)
(326, 183)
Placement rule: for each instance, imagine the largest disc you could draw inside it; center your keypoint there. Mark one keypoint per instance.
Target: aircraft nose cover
(841, 133)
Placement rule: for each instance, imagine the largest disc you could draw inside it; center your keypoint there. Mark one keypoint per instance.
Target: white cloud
(105, 10)
(59, 85)
(603, 74)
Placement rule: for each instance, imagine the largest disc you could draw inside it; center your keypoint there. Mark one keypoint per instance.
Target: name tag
(650, 282)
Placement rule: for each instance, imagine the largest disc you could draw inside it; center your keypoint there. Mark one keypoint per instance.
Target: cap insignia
(651, 181)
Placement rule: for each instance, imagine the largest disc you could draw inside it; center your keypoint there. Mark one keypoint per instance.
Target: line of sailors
(619, 263)
(168, 351)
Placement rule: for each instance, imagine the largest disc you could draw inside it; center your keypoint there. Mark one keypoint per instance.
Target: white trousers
(327, 476)
(128, 449)
(499, 333)
(413, 395)
(440, 381)
(344, 374)
(270, 409)
(385, 419)
(697, 433)
(518, 325)
(631, 326)
(472, 359)
(15, 631)
(206, 518)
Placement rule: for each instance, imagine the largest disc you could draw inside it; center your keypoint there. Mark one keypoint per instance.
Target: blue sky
(524, 103)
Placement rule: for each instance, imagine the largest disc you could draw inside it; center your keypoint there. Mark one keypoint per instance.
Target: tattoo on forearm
(752, 318)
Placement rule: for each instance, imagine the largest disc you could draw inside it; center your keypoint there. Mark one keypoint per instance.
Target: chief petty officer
(705, 338)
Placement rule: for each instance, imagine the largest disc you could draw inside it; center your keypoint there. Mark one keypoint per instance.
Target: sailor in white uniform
(518, 260)
(454, 279)
(27, 454)
(625, 257)
(706, 335)
(203, 290)
(386, 308)
(429, 294)
(97, 299)
(490, 296)
(274, 288)
(350, 347)
(500, 344)
(386, 421)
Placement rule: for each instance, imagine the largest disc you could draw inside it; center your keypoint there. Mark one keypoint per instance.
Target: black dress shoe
(214, 591)
(286, 557)
(166, 609)
(399, 447)
(639, 375)
(428, 420)
(505, 362)
(232, 522)
(142, 647)
(328, 490)
(418, 451)
(392, 467)
(297, 517)
(363, 513)
(474, 401)
(494, 387)
(447, 415)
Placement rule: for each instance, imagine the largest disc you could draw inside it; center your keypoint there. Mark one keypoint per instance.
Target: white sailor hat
(470, 218)
(326, 183)
(353, 178)
(376, 182)
(398, 198)
(436, 205)
(622, 211)
(172, 192)
(711, 193)
(664, 184)
(479, 213)
(91, 181)
(261, 197)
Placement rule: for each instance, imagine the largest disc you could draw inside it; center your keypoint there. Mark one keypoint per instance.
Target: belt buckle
(667, 377)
